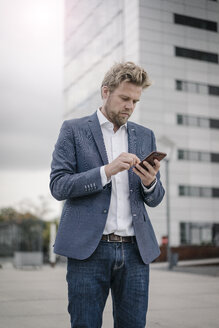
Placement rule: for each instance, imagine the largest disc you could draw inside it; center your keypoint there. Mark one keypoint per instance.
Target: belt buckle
(120, 239)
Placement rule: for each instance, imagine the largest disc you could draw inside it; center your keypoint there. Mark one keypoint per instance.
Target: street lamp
(168, 146)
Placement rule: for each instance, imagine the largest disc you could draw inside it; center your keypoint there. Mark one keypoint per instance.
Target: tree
(8, 214)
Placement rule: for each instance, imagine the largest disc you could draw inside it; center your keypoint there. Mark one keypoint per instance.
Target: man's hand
(147, 177)
(123, 162)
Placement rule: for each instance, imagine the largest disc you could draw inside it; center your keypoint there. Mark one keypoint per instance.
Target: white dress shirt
(119, 219)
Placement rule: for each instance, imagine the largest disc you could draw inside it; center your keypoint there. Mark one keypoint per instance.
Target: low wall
(28, 259)
(190, 252)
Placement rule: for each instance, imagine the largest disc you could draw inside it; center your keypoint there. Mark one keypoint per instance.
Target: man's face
(119, 105)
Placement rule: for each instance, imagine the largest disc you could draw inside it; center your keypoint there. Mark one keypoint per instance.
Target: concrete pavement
(38, 299)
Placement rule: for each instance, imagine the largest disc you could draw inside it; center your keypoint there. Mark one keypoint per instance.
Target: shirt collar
(103, 120)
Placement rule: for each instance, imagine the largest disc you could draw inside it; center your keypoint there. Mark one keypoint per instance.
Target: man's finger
(149, 167)
(137, 172)
(157, 165)
(131, 159)
(142, 170)
(135, 159)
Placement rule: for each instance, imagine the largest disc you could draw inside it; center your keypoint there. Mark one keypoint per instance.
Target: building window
(205, 157)
(215, 192)
(192, 87)
(195, 191)
(191, 155)
(203, 122)
(183, 233)
(180, 119)
(196, 87)
(215, 157)
(213, 90)
(195, 233)
(206, 192)
(202, 88)
(195, 22)
(214, 124)
(215, 234)
(193, 120)
(181, 154)
(196, 54)
(179, 85)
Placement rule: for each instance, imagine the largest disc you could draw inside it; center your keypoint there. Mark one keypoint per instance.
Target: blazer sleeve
(154, 197)
(65, 182)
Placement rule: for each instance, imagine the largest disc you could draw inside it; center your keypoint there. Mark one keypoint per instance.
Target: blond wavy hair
(129, 72)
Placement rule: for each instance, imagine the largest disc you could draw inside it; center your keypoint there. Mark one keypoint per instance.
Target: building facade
(177, 42)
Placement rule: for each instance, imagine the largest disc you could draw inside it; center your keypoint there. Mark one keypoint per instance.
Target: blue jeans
(116, 266)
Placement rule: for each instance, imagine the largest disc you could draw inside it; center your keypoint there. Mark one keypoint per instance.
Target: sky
(31, 100)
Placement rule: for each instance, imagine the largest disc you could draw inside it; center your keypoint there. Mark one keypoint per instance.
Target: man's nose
(129, 104)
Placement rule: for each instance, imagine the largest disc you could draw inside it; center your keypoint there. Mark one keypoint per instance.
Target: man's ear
(105, 92)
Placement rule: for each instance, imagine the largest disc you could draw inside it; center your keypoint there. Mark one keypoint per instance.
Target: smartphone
(152, 156)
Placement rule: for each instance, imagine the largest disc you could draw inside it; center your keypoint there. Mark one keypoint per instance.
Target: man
(105, 231)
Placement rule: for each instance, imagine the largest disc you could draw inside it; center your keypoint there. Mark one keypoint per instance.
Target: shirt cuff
(147, 190)
(103, 176)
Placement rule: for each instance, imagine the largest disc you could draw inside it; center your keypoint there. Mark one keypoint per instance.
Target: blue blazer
(75, 177)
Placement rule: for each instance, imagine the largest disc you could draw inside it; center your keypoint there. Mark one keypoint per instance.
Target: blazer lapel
(95, 128)
(132, 138)
(132, 145)
(94, 125)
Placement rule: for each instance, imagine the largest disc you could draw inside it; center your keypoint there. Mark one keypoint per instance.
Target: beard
(118, 119)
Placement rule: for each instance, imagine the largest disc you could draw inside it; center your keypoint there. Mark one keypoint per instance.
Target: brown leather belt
(115, 238)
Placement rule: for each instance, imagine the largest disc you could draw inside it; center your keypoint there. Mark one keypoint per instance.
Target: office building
(177, 42)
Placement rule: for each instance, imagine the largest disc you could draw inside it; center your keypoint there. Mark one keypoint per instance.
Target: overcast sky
(31, 104)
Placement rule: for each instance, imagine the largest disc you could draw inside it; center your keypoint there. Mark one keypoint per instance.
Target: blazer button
(105, 211)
